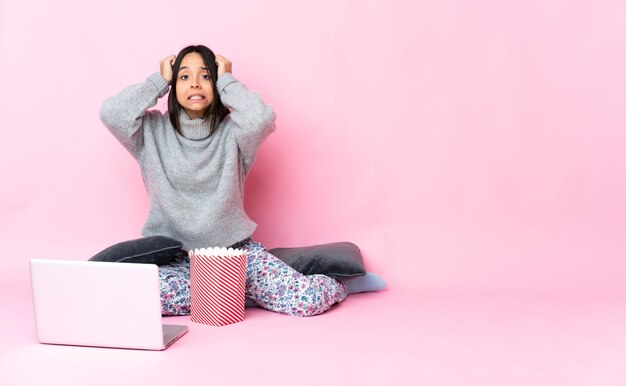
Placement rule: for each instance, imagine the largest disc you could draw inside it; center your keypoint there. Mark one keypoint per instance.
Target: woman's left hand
(223, 65)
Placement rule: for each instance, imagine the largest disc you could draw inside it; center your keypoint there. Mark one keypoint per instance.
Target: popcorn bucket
(218, 285)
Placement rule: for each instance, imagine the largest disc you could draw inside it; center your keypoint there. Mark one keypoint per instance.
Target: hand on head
(166, 67)
(223, 65)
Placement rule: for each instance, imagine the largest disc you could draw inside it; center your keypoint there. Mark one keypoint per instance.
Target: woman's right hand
(166, 68)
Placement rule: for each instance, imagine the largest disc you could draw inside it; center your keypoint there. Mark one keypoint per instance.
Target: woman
(194, 161)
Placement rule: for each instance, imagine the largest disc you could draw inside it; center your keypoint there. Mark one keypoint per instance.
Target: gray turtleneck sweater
(195, 181)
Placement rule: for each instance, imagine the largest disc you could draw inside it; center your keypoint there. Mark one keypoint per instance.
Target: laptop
(100, 304)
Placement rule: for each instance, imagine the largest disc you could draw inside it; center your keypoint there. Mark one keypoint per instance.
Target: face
(194, 89)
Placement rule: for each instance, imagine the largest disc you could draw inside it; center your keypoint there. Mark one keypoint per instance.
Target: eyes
(203, 76)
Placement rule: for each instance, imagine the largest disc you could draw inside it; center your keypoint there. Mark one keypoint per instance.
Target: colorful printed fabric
(270, 282)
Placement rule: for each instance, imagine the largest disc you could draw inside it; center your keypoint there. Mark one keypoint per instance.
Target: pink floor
(395, 337)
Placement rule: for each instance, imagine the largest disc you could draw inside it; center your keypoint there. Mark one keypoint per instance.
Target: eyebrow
(186, 67)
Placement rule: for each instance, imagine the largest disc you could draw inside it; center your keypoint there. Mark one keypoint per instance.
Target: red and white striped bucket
(218, 285)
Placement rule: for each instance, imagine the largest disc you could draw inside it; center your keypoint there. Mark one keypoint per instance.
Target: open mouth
(196, 97)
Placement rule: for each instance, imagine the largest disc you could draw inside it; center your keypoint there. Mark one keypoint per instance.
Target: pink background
(474, 150)
(462, 145)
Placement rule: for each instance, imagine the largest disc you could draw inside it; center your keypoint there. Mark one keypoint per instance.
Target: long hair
(216, 111)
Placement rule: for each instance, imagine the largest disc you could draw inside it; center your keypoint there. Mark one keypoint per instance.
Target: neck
(194, 114)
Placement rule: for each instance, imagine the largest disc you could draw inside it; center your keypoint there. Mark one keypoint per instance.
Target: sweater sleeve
(254, 120)
(124, 114)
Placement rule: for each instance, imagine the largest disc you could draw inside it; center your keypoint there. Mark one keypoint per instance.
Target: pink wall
(463, 145)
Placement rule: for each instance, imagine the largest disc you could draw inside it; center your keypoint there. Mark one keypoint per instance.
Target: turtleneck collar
(194, 129)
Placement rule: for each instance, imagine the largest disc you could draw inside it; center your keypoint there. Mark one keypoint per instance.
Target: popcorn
(218, 285)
